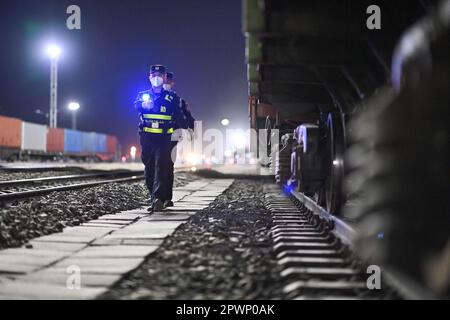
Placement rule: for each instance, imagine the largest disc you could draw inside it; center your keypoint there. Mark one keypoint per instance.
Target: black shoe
(168, 203)
(158, 205)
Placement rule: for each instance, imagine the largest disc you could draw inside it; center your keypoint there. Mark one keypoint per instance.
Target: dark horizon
(106, 63)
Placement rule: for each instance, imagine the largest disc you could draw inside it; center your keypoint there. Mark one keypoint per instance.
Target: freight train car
(10, 136)
(358, 92)
(21, 140)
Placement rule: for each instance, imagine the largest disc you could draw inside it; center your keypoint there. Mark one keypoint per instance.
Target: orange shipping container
(10, 132)
(111, 144)
(55, 140)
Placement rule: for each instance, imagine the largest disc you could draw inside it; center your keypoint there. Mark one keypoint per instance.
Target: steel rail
(38, 192)
(339, 227)
(14, 195)
(9, 183)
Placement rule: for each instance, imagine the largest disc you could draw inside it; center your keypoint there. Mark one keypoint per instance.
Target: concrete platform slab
(120, 217)
(56, 246)
(115, 252)
(59, 277)
(61, 237)
(101, 265)
(18, 290)
(17, 268)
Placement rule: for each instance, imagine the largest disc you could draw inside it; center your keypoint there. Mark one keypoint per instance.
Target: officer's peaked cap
(157, 68)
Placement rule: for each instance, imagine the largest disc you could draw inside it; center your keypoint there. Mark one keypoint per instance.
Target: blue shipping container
(72, 141)
(88, 144)
(100, 143)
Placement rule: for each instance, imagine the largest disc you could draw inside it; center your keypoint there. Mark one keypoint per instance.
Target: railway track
(314, 250)
(26, 188)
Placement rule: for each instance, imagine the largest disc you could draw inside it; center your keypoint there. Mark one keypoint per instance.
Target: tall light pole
(74, 106)
(53, 53)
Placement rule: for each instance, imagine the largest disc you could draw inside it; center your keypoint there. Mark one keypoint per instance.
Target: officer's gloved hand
(147, 104)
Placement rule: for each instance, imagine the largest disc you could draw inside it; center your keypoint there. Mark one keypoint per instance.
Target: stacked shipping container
(25, 136)
(55, 140)
(10, 132)
(111, 144)
(73, 141)
(34, 137)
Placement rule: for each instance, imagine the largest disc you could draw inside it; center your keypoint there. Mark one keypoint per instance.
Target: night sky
(106, 63)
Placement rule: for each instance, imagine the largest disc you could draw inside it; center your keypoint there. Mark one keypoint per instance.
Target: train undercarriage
(362, 119)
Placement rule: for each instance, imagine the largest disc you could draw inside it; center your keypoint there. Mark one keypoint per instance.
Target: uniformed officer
(159, 111)
(169, 86)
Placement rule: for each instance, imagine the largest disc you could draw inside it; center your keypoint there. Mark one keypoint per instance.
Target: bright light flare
(225, 122)
(133, 151)
(228, 153)
(74, 106)
(239, 139)
(54, 52)
(192, 159)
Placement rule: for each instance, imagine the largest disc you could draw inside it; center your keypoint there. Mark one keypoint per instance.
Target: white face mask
(156, 81)
(167, 87)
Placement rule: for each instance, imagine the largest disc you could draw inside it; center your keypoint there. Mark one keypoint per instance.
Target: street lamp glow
(225, 122)
(133, 151)
(74, 106)
(53, 52)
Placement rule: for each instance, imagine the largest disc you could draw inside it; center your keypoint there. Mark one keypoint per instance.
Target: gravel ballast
(7, 175)
(222, 252)
(22, 221)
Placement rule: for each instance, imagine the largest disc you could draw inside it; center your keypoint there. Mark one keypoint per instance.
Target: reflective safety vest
(157, 123)
(159, 120)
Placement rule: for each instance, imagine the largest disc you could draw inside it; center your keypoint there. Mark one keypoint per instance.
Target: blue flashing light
(146, 97)
(288, 188)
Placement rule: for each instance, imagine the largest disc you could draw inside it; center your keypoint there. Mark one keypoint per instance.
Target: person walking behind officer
(176, 137)
(159, 111)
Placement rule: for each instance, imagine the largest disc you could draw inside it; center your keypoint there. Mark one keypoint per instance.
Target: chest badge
(163, 109)
(155, 125)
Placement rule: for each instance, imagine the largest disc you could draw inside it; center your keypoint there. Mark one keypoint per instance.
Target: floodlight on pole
(53, 52)
(74, 107)
(225, 122)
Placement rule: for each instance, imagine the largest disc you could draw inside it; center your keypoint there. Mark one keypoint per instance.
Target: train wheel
(268, 128)
(331, 196)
